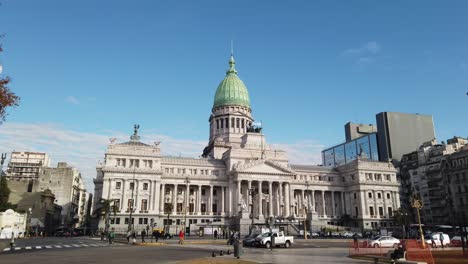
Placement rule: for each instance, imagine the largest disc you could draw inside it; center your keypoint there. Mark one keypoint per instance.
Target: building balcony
(143, 212)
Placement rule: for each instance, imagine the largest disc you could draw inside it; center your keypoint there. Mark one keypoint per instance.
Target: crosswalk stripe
(17, 248)
(58, 246)
(75, 245)
(28, 247)
(67, 246)
(38, 247)
(48, 246)
(85, 245)
(6, 249)
(94, 245)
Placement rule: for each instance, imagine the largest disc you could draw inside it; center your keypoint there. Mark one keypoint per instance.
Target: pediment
(263, 166)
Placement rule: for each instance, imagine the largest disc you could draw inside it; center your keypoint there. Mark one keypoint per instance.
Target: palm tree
(106, 207)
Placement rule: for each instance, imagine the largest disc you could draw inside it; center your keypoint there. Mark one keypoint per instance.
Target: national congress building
(239, 178)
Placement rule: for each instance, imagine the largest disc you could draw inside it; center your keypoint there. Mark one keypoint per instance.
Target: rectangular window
(126, 221)
(388, 196)
(203, 192)
(390, 211)
(203, 208)
(214, 192)
(118, 185)
(145, 221)
(179, 190)
(371, 210)
(123, 161)
(232, 122)
(140, 221)
(112, 221)
(144, 205)
(370, 195)
(150, 163)
(217, 124)
(355, 196)
(222, 123)
(380, 211)
(145, 186)
(132, 185)
(192, 191)
(242, 123)
(237, 123)
(227, 122)
(379, 195)
(117, 203)
(167, 191)
(117, 221)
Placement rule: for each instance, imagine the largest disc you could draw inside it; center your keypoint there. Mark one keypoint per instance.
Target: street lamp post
(417, 204)
(28, 221)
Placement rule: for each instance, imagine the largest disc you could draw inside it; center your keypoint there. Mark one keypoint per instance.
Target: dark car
(249, 240)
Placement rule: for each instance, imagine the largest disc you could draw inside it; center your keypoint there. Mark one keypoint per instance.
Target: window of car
(266, 235)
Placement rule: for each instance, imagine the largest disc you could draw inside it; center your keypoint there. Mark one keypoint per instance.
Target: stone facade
(26, 165)
(67, 185)
(239, 177)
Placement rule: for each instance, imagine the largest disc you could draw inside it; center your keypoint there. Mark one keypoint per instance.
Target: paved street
(55, 243)
(74, 250)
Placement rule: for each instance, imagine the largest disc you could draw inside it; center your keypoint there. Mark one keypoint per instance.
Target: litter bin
(237, 249)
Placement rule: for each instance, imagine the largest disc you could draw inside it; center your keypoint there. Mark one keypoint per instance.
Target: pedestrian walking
(157, 235)
(111, 236)
(441, 238)
(181, 237)
(129, 234)
(356, 242)
(433, 243)
(143, 235)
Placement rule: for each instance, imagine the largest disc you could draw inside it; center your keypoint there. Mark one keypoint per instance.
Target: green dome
(231, 90)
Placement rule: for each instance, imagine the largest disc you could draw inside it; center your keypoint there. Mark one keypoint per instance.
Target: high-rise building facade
(402, 133)
(239, 178)
(26, 165)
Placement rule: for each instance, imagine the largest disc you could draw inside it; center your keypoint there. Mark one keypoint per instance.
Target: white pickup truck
(264, 240)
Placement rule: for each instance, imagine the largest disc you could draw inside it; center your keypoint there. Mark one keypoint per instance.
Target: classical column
(222, 200)
(303, 206)
(174, 199)
(162, 193)
(277, 200)
(249, 199)
(199, 200)
(210, 209)
(287, 206)
(280, 199)
(230, 199)
(122, 200)
(397, 200)
(365, 202)
(376, 209)
(343, 203)
(385, 211)
(238, 197)
(323, 203)
(260, 203)
(157, 186)
(313, 201)
(270, 192)
(333, 203)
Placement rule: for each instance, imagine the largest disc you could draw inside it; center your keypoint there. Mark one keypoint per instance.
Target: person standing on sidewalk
(111, 236)
(143, 234)
(181, 237)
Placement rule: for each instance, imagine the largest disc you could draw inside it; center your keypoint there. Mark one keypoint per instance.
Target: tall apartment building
(26, 165)
(422, 172)
(67, 185)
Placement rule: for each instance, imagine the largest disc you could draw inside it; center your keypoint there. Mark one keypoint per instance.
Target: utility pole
(417, 204)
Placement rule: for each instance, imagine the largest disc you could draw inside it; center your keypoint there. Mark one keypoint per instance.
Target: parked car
(384, 241)
(347, 234)
(335, 234)
(358, 234)
(314, 234)
(456, 241)
(436, 238)
(249, 240)
(264, 240)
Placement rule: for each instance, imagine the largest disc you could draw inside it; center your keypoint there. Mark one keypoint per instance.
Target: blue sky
(97, 67)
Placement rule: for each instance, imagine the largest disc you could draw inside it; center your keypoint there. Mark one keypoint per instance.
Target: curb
(149, 244)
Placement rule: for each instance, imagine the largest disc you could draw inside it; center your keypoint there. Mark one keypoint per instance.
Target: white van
(436, 238)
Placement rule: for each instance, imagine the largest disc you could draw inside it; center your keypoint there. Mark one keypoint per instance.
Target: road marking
(38, 247)
(48, 246)
(67, 246)
(6, 249)
(17, 248)
(58, 246)
(75, 245)
(94, 245)
(84, 245)
(28, 247)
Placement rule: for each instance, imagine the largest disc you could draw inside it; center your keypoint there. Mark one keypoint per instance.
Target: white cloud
(371, 47)
(84, 150)
(72, 100)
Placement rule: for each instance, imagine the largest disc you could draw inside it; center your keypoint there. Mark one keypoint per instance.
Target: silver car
(384, 241)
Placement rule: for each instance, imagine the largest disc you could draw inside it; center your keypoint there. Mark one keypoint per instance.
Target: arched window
(232, 122)
(222, 123)
(237, 123)
(217, 124)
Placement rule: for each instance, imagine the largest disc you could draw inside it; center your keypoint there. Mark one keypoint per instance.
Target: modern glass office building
(349, 151)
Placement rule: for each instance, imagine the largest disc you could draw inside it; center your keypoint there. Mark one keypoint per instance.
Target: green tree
(7, 97)
(106, 208)
(4, 195)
